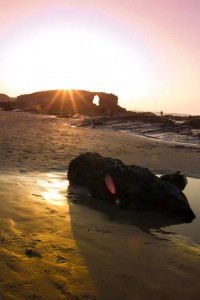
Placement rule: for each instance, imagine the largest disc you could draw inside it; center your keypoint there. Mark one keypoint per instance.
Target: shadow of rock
(119, 246)
(143, 219)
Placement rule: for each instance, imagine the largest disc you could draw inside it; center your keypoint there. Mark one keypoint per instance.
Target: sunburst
(73, 102)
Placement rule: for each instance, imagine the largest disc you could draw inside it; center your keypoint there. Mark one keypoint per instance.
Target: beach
(57, 243)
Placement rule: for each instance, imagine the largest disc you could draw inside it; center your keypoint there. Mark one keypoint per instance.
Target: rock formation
(194, 122)
(66, 102)
(5, 102)
(4, 98)
(128, 186)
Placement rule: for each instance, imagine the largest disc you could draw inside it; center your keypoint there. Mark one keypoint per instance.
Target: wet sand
(55, 245)
(39, 257)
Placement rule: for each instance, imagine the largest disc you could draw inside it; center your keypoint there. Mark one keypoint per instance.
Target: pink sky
(163, 35)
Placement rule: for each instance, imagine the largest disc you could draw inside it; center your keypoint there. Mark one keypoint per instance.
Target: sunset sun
(59, 58)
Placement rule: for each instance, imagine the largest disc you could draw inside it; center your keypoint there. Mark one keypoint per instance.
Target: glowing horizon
(147, 55)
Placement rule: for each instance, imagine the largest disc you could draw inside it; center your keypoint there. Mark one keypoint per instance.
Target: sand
(38, 143)
(55, 245)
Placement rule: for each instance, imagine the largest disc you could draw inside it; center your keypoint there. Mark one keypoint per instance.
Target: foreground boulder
(128, 186)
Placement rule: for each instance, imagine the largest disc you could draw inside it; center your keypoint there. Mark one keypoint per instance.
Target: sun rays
(72, 101)
(68, 101)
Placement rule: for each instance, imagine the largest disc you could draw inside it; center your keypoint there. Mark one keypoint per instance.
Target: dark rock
(178, 179)
(194, 122)
(98, 123)
(127, 186)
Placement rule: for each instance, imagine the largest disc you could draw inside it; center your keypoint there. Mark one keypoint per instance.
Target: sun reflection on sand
(54, 189)
(38, 242)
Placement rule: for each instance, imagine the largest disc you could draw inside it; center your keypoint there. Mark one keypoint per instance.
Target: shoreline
(166, 128)
(148, 137)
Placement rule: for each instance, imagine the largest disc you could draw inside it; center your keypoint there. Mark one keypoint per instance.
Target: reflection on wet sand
(54, 189)
(146, 220)
(39, 257)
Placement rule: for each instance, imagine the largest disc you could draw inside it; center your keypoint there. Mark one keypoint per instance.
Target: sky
(147, 52)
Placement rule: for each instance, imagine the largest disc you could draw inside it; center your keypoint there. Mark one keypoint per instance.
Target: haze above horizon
(148, 55)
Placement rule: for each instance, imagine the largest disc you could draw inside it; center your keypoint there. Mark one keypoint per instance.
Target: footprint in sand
(32, 253)
(61, 260)
(37, 195)
(53, 211)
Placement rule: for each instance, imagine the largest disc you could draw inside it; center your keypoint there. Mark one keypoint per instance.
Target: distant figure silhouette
(161, 113)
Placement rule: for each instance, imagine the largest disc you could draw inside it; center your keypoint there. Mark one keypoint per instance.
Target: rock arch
(68, 102)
